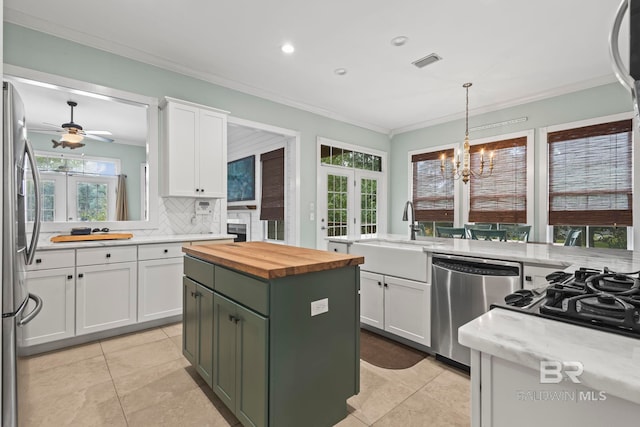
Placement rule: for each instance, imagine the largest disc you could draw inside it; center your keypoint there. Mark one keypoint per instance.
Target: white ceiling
(512, 50)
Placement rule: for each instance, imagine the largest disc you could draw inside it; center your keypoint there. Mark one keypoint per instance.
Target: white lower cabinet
(105, 296)
(56, 320)
(399, 306)
(159, 288)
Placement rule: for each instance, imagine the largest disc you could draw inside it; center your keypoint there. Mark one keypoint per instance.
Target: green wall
(590, 103)
(131, 156)
(38, 51)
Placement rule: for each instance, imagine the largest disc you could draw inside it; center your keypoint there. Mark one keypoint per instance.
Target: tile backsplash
(176, 215)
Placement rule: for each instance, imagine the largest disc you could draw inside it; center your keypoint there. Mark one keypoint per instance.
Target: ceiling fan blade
(48, 131)
(98, 132)
(51, 124)
(98, 137)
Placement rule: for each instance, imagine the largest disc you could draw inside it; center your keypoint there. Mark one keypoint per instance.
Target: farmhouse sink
(400, 259)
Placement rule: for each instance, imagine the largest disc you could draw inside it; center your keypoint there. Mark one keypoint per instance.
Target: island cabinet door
(189, 320)
(197, 329)
(205, 334)
(241, 361)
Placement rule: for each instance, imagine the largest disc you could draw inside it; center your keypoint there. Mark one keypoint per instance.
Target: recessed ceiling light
(399, 41)
(288, 48)
(340, 71)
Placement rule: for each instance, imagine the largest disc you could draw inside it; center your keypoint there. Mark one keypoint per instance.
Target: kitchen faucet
(405, 216)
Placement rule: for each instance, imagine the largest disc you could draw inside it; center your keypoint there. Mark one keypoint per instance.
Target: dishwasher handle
(471, 266)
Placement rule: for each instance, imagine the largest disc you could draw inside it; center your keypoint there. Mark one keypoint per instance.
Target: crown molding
(562, 90)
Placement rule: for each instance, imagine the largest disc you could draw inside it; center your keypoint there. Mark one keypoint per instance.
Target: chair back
(518, 232)
(450, 232)
(573, 238)
(488, 234)
(468, 227)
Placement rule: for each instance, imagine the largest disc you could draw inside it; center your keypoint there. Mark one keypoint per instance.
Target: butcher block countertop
(270, 260)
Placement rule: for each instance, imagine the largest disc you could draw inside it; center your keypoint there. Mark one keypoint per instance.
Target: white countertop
(537, 253)
(610, 361)
(135, 240)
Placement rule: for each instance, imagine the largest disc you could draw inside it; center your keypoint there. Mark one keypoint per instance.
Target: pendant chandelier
(465, 172)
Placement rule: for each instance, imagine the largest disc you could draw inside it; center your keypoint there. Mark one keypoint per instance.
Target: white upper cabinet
(194, 152)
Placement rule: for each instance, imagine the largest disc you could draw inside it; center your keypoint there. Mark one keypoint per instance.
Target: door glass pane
(336, 205)
(92, 201)
(368, 207)
(48, 197)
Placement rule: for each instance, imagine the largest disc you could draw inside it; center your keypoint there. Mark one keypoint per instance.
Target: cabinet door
(372, 299)
(212, 154)
(180, 152)
(55, 321)
(252, 364)
(407, 309)
(159, 290)
(224, 350)
(105, 297)
(189, 320)
(205, 334)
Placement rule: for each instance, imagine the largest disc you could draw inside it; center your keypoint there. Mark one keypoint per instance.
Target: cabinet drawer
(159, 251)
(246, 290)
(200, 271)
(91, 256)
(53, 259)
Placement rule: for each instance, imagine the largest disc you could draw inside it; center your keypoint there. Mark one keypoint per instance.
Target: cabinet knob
(335, 249)
(197, 190)
(166, 251)
(80, 276)
(38, 260)
(386, 286)
(202, 190)
(379, 283)
(108, 255)
(69, 277)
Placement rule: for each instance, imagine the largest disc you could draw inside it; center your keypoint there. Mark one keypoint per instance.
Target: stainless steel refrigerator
(16, 254)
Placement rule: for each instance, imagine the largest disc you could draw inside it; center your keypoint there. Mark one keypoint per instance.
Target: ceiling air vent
(429, 59)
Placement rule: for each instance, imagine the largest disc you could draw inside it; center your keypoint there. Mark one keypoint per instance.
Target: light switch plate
(320, 306)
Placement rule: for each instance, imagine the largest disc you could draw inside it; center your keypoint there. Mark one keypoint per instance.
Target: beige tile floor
(142, 379)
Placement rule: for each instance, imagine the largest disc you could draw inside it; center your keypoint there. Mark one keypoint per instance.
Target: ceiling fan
(73, 133)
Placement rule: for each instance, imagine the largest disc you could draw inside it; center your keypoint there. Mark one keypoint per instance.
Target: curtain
(122, 208)
(272, 203)
(590, 175)
(433, 190)
(501, 197)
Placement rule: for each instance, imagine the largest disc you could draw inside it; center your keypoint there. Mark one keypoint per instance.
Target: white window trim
(457, 217)
(383, 202)
(543, 173)
(530, 135)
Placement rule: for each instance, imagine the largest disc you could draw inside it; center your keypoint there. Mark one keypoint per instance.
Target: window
(432, 196)
(501, 197)
(348, 158)
(368, 207)
(75, 188)
(272, 202)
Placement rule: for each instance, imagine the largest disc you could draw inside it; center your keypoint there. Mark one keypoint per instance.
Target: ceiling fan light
(72, 137)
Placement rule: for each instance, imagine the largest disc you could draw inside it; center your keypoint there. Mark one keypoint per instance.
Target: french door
(349, 204)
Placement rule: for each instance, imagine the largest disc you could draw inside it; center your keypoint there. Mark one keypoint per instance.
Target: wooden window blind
(501, 197)
(590, 175)
(432, 191)
(272, 204)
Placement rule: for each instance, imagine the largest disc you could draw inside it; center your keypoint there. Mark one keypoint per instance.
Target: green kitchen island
(274, 330)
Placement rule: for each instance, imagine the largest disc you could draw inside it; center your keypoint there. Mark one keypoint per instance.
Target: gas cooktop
(599, 299)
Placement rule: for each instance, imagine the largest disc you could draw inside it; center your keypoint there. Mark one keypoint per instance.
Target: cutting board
(89, 237)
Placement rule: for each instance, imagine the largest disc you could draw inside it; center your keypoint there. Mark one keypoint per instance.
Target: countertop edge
(527, 340)
(135, 240)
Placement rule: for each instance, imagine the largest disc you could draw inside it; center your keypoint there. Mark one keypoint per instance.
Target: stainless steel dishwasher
(464, 288)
